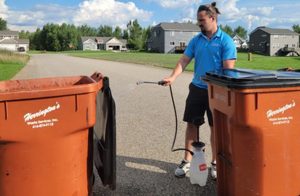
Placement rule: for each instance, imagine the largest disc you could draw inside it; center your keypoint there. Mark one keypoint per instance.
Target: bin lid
(247, 78)
(47, 87)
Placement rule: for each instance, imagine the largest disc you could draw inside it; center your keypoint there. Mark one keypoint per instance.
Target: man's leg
(196, 105)
(190, 137)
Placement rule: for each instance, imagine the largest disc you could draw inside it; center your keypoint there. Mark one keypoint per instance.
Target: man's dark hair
(210, 9)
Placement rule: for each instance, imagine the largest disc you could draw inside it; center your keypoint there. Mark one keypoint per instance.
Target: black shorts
(196, 106)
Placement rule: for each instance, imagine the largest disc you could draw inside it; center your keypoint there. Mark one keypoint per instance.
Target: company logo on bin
(44, 112)
(281, 110)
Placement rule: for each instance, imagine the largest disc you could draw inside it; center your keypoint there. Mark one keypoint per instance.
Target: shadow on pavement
(137, 176)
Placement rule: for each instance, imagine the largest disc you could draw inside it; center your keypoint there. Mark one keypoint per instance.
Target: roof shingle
(276, 31)
(179, 26)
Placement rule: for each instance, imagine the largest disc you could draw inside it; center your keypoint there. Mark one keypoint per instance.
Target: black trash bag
(105, 136)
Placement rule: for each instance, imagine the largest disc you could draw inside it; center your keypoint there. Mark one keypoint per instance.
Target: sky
(29, 15)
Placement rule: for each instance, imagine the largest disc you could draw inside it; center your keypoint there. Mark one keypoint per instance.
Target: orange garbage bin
(257, 121)
(44, 133)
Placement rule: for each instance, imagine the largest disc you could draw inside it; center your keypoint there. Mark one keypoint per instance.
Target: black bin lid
(248, 78)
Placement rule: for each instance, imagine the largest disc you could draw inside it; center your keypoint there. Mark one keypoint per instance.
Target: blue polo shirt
(209, 54)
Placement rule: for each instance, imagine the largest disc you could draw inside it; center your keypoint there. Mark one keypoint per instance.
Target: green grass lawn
(11, 63)
(8, 70)
(154, 59)
(267, 62)
(169, 60)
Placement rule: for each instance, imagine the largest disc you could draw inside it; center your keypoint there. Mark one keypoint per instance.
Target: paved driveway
(145, 123)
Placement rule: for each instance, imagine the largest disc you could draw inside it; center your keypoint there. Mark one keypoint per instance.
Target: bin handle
(97, 76)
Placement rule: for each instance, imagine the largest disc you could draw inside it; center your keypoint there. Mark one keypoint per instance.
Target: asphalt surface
(145, 123)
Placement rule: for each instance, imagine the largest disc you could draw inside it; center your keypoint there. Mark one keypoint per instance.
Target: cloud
(265, 11)
(189, 15)
(39, 16)
(119, 12)
(233, 13)
(91, 12)
(251, 19)
(176, 3)
(3, 9)
(185, 10)
(24, 20)
(108, 12)
(228, 9)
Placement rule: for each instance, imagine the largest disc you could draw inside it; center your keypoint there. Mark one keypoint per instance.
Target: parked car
(21, 49)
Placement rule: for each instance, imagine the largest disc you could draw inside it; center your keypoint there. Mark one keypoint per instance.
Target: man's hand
(168, 81)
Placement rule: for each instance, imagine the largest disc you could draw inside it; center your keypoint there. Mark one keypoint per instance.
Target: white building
(9, 40)
(239, 42)
(103, 43)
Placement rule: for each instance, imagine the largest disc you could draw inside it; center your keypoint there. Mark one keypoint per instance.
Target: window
(182, 44)
(172, 33)
(172, 43)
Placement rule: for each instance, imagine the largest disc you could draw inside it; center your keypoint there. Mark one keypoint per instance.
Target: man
(213, 50)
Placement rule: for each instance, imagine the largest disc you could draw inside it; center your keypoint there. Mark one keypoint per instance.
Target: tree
(24, 35)
(117, 32)
(227, 29)
(35, 40)
(68, 37)
(296, 28)
(240, 31)
(146, 36)
(3, 24)
(85, 30)
(125, 34)
(135, 40)
(49, 38)
(105, 31)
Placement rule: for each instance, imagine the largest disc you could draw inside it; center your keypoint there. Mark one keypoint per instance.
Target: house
(103, 43)
(273, 42)
(9, 40)
(239, 42)
(171, 37)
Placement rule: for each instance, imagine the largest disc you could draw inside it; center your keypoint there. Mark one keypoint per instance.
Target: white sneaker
(182, 169)
(213, 170)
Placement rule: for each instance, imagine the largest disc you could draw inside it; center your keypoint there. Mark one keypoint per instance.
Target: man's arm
(180, 66)
(229, 64)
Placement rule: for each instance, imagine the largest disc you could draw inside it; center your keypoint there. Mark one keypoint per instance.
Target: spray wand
(148, 82)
